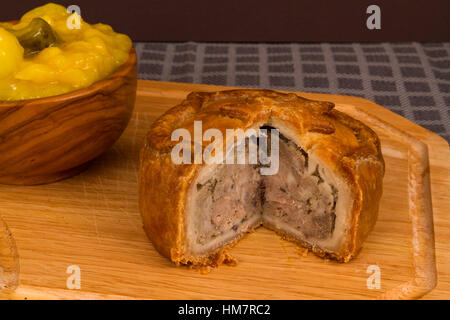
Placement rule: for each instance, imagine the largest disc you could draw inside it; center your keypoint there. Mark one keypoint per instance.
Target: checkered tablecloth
(411, 79)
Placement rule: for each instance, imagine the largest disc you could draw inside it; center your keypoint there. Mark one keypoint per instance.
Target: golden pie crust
(350, 148)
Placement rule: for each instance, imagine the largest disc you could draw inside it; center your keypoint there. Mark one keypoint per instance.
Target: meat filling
(228, 200)
(298, 195)
(234, 198)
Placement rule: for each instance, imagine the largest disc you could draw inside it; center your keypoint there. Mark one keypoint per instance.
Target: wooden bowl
(48, 139)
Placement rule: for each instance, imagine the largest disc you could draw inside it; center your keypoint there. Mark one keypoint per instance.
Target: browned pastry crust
(347, 146)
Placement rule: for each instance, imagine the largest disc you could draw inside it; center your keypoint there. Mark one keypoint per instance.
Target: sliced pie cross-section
(324, 196)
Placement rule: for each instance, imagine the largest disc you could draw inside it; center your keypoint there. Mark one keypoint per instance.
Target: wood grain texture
(48, 139)
(9, 260)
(93, 221)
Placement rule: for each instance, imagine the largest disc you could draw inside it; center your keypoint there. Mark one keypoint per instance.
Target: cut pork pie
(324, 195)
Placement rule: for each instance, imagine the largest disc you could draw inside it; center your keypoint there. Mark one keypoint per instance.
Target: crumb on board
(302, 251)
(222, 258)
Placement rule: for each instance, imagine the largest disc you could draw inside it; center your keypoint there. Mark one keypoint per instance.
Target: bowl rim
(123, 69)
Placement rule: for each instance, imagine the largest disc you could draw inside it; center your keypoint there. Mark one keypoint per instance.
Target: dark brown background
(260, 20)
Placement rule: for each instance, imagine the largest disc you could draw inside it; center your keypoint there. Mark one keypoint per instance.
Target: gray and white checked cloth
(411, 79)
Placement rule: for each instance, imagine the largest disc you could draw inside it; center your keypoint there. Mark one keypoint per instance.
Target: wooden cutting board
(92, 221)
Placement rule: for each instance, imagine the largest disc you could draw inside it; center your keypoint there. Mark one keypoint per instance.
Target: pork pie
(325, 196)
